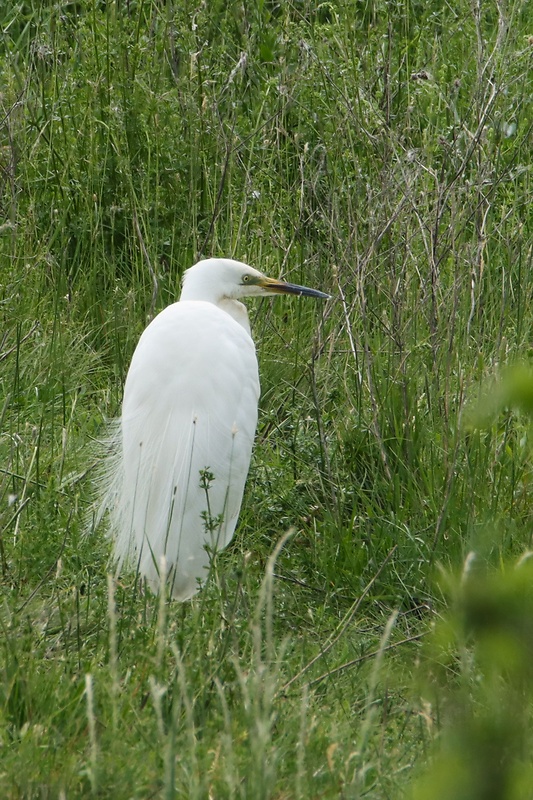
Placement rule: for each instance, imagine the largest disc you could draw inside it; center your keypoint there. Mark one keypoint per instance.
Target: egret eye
(246, 278)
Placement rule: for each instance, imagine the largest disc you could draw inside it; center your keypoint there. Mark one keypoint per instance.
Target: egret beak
(273, 286)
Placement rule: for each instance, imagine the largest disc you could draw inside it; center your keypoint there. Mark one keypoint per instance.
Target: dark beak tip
(282, 287)
(325, 296)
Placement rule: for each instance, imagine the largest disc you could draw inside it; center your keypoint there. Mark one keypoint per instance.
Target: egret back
(188, 422)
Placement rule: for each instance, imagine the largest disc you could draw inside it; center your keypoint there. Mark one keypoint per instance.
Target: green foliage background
(380, 151)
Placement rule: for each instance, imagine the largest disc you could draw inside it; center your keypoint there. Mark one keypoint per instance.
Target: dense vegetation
(380, 151)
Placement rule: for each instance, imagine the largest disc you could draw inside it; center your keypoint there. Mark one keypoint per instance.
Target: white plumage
(174, 486)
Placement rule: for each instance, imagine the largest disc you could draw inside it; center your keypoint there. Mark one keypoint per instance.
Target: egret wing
(188, 422)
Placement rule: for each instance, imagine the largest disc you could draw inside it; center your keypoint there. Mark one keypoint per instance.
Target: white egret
(175, 483)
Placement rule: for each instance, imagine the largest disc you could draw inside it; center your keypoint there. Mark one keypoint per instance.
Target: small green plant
(212, 524)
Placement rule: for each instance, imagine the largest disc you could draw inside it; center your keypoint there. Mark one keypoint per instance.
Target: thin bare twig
(8, 352)
(366, 657)
(146, 256)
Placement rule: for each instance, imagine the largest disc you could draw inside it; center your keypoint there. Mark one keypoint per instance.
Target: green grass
(379, 151)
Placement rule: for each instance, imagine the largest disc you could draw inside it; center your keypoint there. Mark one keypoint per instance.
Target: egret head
(217, 279)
